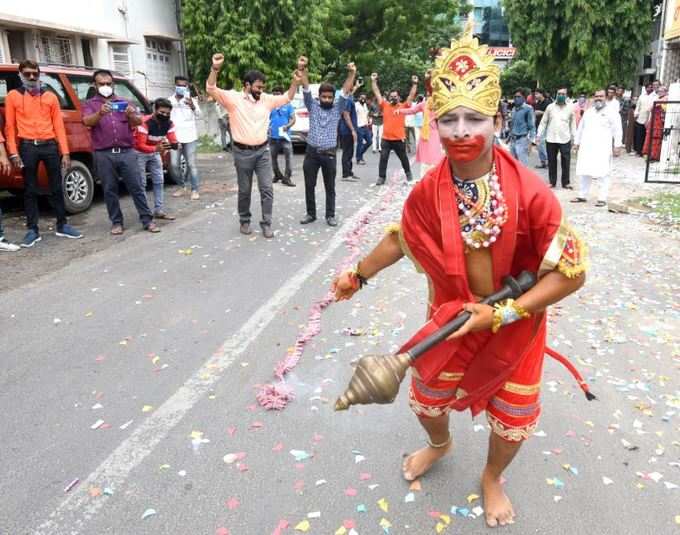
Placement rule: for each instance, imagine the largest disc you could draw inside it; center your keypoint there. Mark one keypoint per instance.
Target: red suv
(72, 86)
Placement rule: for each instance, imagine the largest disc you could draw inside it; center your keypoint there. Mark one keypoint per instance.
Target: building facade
(138, 38)
(491, 29)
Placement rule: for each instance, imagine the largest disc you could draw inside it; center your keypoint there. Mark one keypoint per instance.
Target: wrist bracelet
(356, 273)
(506, 313)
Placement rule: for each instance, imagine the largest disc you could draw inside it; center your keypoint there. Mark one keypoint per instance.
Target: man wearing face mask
(112, 120)
(522, 127)
(557, 129)
(599, 130)
(322, 140)
(476, 217)
(36, 133)
(249, 112)
(394, 127)
(364, 135)
(185, 111)
(155, 136)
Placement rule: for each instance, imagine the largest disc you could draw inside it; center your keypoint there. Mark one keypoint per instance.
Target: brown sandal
(117, 230)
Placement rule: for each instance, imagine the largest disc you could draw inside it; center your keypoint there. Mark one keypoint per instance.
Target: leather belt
(38, 142)
(325, 152)
(249, 147)
(114, 150)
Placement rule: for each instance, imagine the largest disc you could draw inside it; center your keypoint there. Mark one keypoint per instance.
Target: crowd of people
(132, 147)
(127, 146)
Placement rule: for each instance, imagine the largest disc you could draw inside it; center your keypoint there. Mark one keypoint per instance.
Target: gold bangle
(509, 311)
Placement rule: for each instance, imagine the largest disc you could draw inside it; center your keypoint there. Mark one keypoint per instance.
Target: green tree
(518, 74)
(590, 43)
(267, 35)
(392, 37)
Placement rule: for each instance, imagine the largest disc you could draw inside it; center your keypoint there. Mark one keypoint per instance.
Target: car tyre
(78, 188)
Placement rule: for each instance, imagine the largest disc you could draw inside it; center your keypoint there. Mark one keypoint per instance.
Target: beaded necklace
(482, 209)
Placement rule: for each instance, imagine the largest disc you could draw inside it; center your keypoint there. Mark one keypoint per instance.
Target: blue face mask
(519, 101)
(181, 91)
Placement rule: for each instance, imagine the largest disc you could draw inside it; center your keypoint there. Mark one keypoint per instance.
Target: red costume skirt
(512, 412)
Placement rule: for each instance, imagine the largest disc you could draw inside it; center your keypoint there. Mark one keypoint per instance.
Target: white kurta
(597, 133)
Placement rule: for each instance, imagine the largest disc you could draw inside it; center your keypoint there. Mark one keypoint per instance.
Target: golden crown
(464, 75)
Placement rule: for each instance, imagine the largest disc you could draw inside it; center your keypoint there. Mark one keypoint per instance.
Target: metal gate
(662, 144)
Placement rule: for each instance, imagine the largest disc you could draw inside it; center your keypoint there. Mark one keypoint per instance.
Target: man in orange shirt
(394, 130)
(35, 133)
(249, 112)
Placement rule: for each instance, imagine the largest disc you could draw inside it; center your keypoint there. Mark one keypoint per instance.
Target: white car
(298, 132)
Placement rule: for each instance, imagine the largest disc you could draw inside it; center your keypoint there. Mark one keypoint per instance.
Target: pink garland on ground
(276, 396)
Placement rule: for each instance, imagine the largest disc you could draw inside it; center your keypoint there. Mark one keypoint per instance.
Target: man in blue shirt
(322, 140)
(523, 128)
(280, 121)
(348, 137)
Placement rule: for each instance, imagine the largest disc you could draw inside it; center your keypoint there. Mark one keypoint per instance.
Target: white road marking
(72, 514)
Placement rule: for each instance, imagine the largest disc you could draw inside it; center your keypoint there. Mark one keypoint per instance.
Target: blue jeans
(519, 148)
(189, 152)
(364, 140)
(151, 162)
(542, 151)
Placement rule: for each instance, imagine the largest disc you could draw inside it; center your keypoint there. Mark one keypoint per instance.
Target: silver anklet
(440, 445)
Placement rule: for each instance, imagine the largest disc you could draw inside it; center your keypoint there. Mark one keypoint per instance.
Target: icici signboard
(502, 52)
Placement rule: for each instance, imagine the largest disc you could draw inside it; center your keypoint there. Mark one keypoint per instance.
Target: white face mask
(105, 90)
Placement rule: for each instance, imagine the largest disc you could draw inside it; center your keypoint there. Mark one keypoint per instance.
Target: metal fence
(662, 144)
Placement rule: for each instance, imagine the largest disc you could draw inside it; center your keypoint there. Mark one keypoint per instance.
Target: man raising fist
(394, 130)
(249, 111)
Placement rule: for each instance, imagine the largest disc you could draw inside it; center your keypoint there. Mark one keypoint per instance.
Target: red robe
(431, 236)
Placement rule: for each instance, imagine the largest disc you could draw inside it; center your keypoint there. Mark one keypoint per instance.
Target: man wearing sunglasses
(36, 133)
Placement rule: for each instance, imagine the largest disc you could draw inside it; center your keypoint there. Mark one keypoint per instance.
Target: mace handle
(512, 289)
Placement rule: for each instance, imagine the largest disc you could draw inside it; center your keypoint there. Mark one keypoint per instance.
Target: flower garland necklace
(482, 209)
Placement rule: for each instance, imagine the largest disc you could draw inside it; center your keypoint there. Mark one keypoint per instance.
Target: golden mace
(377, 378)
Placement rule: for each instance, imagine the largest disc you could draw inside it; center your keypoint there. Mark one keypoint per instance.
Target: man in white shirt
(612, 100)
(558, 128)
(642, 110)
(364, 136)
(598, 131)
(185, 111)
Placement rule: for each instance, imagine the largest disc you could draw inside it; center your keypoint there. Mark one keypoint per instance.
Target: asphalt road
(132, 369)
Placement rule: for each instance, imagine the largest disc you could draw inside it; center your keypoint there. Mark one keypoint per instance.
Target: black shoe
(542, 166)
(578, 200)
(307, 219)
(380, 182)
(288, 182)
(409, 177)
(553, 186)
(245, 229)
(331, 222)
(267, 231)
(568, 186)
(277, 179)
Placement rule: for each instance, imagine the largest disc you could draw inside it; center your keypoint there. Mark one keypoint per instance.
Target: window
(126, 90)
(56, 49)
(87, 52)
(158, 65)
(120, 57)
(8, 81)
(84, 88)
(51, 83)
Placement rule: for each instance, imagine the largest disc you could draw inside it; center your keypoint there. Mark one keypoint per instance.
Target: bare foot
(416, 464)
(497, 506)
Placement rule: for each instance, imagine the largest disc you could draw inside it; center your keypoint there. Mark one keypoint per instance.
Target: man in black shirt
(541, 102)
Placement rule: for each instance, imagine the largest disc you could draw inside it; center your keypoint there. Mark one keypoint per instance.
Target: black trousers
(285, 147)
(639, 137)
(400, 148)
(32, 155)
(564, 149)
(347, 146)
(315, 160)
(111, 165)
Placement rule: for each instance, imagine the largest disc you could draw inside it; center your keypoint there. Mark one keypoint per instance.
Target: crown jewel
(464, 75)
